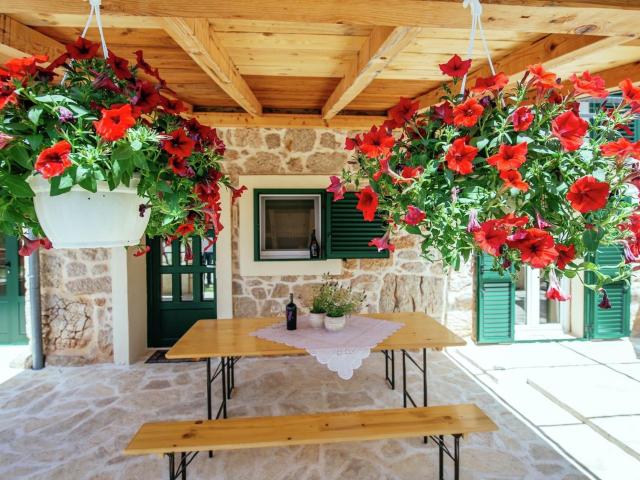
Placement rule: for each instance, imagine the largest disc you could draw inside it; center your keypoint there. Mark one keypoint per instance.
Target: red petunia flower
(54, 160)
(621, 149)
(181, 167)
(467, 113)
(490, 237)
(383, 168)
(178, 144)
(382, 243)
(630, 94)
(377, 142)
(511, 220)
(367, 203)
(147, 97)
(58, 62)
(570, 130)
(172, 105)
(522, 119)
(566, 255)
(353, 143)
(456, 67)
(185, 229)
(114, 123)
(414, 216)
(141, 250)
(587, 84)
(337, 188)
(82, 49)
(22, 67)
(493, 83)
(443, 112)
(513, 179)
(509, 157)
(7, 94)
(119, 65)
(411, 172)
(588, 194)
(403, 111)
(236, 193)
(542, 79)
(28, 246)
(460, 157)
(554, 292)
(536, 247)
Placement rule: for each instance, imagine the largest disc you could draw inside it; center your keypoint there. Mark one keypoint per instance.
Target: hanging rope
(95, 9)
(476, 24)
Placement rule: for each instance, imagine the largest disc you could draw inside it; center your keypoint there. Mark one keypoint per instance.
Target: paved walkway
(583, 396)
(73, 422)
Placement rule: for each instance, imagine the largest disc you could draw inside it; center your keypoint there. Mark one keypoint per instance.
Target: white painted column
(224, 263)
(119, 306)
(532, 295)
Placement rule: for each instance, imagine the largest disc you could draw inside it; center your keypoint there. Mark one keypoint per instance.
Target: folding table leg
(441, 457)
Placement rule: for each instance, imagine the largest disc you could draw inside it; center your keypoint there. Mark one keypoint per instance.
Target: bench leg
(456, 454)
(423, 369)
(441, 457)
(390, 358)
(180, 471)
(453, 454)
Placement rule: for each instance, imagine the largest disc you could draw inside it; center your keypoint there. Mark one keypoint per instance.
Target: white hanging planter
(83, 219)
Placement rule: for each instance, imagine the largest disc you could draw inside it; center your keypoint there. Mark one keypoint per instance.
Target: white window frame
(301, 254)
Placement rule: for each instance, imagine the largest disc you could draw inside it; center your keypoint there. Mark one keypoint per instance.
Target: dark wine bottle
(292, 314)
(314, 247)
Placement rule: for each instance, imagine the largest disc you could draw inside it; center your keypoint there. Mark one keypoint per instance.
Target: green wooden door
(495, 303)
(12, 319)
(181, 290)
(615, 321)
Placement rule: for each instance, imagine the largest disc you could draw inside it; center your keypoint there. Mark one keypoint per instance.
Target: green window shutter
(615, 321)
(495, 303)
(348, 234)
(612, 102)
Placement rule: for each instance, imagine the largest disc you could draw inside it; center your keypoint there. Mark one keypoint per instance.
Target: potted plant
(341, 303)
(515, 173)
(103, 156)
(319, 305)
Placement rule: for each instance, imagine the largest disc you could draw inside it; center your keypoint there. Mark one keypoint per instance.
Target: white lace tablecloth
(343, 351)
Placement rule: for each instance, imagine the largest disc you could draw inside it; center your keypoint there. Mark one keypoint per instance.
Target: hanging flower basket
(106, 218)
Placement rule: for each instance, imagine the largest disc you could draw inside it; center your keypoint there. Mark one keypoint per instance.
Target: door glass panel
(166, 257)
(21, 278)
(166, 287)
(207, 247)
(186, 252)
(3, 267)
(550, 310)
(208, 286)
(186, 282)
(521, 297)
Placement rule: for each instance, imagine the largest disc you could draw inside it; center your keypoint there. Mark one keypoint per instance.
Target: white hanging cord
(95, 5)
(86, 25)
(476, 24)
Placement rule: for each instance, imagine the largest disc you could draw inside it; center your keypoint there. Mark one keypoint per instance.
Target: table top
(232, 337)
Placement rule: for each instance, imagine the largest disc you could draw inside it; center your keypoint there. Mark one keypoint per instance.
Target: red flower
(236, 193)
(542, 79)
(377, 142)
(513, 179)
(173, 105)
(490, 237)
(141, 250)
(178, 144)
(460, 157)
(120, 66)
(185, 229)
(493, 83)
(536, 247)
(455, 67)
(522, 119)
(411, 172)
(58, 62)
(630, 93)
(383, 169)
(353, 143)
(443, 112)
(554, 292)
(588, 194)
(467, 113)
(404, 111)
(382, 243)
(147, 97)
(509, 157)
(337, 188)
(510, 220)
(22, 67)
(114, 123)
(414, 216)
(82, 49)
(181, 167)
(587, 84)
(7, 94)
(27, 246)
(566, 255)
(570, 130)
(621, 149)
(54, 160)
(367, 203)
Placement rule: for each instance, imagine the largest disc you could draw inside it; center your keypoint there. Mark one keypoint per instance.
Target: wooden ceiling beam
(196, 37)
(18, 40)
(596, 17)
(552, 51)
(281, 120)
(613, 76)
(378, 50)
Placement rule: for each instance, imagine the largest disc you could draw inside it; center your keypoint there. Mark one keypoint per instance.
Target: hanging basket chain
(476, 24)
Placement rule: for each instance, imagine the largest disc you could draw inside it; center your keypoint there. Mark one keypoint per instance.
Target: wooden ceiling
(334, 62)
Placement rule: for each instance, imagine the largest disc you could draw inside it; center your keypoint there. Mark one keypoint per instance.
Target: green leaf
(89, 183)
(17, 186)
(19, 153)
(34, 114)
(35, 141)
(136, 145)
(55, 99)
(590, 239)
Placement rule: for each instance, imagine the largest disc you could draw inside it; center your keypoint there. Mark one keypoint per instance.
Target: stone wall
(402, 282)
(76, 306)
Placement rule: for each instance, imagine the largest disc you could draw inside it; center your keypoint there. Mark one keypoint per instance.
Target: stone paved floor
(73, 422)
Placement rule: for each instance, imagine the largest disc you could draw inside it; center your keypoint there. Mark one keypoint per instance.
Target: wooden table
(229, 340)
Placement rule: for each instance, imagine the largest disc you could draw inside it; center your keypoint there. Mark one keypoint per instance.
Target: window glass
(208, 286)
(186, 284)
(166, 287)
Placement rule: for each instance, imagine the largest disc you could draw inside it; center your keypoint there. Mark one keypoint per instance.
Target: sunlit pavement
(12, 360)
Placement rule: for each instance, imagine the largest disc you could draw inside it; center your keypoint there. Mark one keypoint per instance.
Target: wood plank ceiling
(336, 63)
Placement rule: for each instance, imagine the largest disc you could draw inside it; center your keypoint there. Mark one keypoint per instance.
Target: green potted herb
(319, 305)
(343, 302)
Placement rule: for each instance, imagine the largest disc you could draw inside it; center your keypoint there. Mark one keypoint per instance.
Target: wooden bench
(190, 437)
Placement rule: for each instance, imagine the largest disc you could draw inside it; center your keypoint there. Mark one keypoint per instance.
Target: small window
(286, 222)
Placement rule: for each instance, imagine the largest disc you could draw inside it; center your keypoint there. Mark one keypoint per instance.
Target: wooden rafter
(552, 51)
(196, 37)
(278, 120)
(18, 40)
(596, 17)
(378, 50)
(613, 76)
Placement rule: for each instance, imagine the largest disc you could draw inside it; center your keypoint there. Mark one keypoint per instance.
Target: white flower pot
(333, 324)
(316, 320)
(82, 219)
